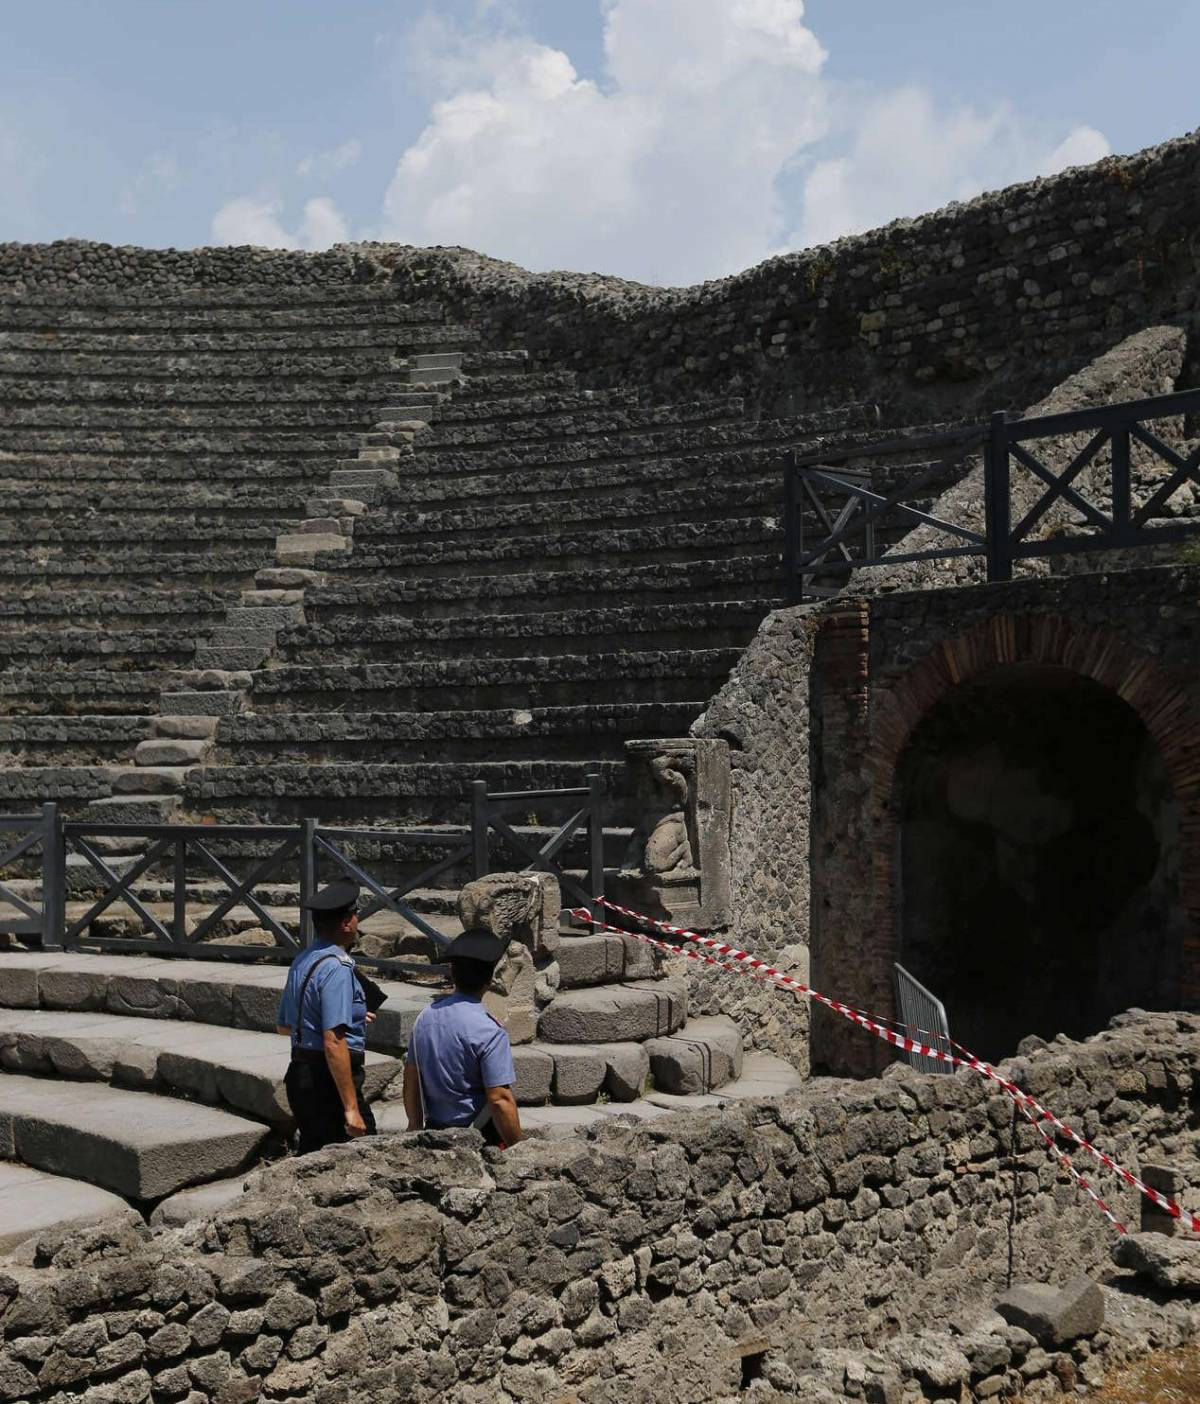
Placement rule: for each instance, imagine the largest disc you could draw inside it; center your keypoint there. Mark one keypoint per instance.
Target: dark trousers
(313, 1097)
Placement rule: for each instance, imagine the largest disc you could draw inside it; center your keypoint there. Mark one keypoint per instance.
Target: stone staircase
(159, 1082)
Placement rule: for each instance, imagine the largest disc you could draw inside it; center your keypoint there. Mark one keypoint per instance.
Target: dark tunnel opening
(1039, 859)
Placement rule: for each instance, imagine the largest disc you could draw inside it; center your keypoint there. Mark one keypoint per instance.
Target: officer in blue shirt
(458, 1068)
(324, 1011)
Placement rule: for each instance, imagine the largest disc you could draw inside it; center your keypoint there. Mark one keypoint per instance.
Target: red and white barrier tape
(747, 963)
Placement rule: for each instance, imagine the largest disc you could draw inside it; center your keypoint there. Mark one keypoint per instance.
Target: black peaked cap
(337, 897)
(476, 944)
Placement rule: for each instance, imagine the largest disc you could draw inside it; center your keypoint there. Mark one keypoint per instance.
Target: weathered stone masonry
(602, 1268)
(978, 305)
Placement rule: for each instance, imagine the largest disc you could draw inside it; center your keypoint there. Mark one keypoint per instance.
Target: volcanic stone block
(186, 728)
(627, 1068)
(590, 960)
(198, 1203)
(1170, 1263)
(704, 1055)
(212, 704)
(32, 1201)
(169, 750)
(139, 1145)
(535, 1074)
(615, 1013)
(1055, 1315)
(579, 1072)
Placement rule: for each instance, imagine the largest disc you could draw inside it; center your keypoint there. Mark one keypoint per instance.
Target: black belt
(317, 1055)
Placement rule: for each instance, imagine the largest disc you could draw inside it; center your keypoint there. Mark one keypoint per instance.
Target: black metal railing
(488, 815)
(173, 859)
(836, 521)
(36, 843)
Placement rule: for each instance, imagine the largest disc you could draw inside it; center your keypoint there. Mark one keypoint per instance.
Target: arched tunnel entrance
(1038, 858)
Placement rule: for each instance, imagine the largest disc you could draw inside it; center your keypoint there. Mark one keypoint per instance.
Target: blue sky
(667, 140)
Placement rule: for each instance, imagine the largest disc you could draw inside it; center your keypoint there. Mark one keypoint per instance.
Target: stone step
(499, 384)
(512, 434)
(701, 578)
(415, 794)
(702, 1056)
(561, 680)
(241, 341)
(635, 1011)
(601, 546)
(682, 505)
(546, 732)
(518, 406)
(228, 308)
(133, 1143)
(572, 1074)
(722, 624)
(216, 417)
(310, 364)
(170, 750)
(32, 1201)
(230, 995)
(197, 391)
(235, 1068)
(763, 1076)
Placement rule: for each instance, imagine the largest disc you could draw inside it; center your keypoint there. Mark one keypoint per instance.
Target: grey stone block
(170, 751)
(139, 1145)
(590, 960)
(615, 1013)
(211, 704)
(626, 1071)
(579, 1072)
(133, 809)
(704, 1055)
(1055, 1315)
(181, 727)
(535, 1075)
(32, 1201)
(198, 1203)
(147, 780)
(1170, 1263)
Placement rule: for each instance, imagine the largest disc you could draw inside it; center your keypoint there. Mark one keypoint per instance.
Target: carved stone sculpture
(677, 862)
(522, 909)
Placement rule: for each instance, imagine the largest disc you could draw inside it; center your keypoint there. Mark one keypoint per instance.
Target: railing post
(179, 891)
(479, 829)
(997, 505)
(793, 590)
(308, 877)
(1120, 486)
(54, 868)
(595, 784)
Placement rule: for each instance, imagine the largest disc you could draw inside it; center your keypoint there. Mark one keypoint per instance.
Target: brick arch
(1136, 678)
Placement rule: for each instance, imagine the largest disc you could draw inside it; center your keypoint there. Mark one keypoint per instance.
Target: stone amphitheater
(352, 543)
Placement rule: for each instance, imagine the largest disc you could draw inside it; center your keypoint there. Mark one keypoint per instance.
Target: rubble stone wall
(665, 1255)
(972, 307)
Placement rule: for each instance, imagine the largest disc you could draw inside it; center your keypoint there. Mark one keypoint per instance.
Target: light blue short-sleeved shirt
(460, 1051)
(334, 998)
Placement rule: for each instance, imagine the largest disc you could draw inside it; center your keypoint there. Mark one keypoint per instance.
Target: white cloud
(906, 157)
(1080, 147)
(709, 139)
(255, 220)
(324, 164)
(668, 170)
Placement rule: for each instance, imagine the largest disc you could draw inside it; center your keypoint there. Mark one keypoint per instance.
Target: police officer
(324, 1010)
(458, 1070)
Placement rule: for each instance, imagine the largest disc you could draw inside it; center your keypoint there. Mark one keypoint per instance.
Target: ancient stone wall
(979, 305)
(421, 1268)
